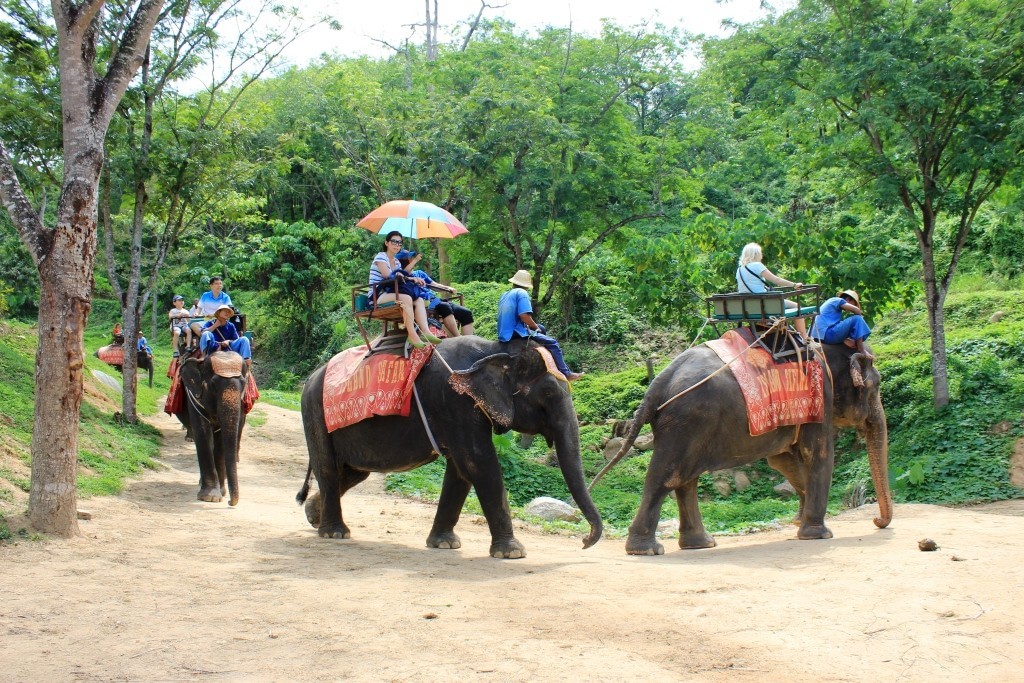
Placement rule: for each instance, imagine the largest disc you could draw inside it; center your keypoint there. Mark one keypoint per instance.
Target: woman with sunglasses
(414, 312)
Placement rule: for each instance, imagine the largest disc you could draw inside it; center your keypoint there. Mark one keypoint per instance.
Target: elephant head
(215, 388)
(858, 404)
(519, 392)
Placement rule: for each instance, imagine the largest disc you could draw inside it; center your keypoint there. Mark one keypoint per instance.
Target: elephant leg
(691, 525)
(209, 484)
(331, 523)
(642, 539)
(490, 490)
(792, 467)
(222, 474)
(449, 507)
(818, 470)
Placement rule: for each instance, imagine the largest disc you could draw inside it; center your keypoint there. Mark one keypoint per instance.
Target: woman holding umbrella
(385, 265)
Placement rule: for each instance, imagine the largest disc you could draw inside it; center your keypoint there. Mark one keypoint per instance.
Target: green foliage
(611, 396)
(423, 482)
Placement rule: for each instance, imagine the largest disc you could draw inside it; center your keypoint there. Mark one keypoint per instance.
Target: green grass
(292, 400)
(110, 452)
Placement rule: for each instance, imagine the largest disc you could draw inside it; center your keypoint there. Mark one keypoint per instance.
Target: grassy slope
(109, 452)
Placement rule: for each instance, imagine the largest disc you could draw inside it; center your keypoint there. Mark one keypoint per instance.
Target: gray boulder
(551, 509)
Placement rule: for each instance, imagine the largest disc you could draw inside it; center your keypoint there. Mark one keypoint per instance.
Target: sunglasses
(395, 241)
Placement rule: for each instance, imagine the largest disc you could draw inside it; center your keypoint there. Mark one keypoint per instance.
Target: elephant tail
(643, 415)
(300, 497)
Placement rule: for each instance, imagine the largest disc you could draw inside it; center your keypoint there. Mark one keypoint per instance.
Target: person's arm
(780, 281)
(528, 320)
(847, 306)
(383, 267)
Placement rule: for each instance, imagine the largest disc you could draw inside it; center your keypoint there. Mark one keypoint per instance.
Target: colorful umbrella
(415, 220)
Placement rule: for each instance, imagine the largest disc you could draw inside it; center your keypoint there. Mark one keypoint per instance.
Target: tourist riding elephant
(706, 429)
(489, 391)
(214, 416)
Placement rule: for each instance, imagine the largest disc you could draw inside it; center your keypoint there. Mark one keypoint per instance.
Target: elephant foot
(211, 495)
(635, 546)
(508, 550)
(312, 509)
(446, 541)
(233, 501)
(334, 531)
(695, 541)
(809, 532)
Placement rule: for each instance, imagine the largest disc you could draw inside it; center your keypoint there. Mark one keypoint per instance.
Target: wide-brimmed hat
(406, 255)
(853, 295)
(223, 307)
(522, 279)
(178, 297)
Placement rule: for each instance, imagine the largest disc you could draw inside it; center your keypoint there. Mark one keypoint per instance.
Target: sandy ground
(161, 587)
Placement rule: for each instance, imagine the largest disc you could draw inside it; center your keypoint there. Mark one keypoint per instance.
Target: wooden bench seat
(747, 306)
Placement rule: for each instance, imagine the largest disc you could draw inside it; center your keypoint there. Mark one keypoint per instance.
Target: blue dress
(832, 328)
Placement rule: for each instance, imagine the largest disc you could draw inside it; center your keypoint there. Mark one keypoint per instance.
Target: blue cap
(406, 255)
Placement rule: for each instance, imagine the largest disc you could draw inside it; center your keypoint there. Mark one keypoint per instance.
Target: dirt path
(164, 588)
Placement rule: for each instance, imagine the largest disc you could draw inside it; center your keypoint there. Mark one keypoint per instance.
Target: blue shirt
(748, 278)
(208, 303)
(225, 332)
(829, 313)
(512, 303)
(144, 346)
(425, 292)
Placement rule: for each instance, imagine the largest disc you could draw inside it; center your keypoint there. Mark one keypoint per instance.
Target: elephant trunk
(231, 420)
(567, 448)
(876, 435)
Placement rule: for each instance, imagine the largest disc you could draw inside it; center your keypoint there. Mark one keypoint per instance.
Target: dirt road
(161, 587)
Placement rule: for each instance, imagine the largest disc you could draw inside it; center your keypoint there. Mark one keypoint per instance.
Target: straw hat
(522, 279)
(853, 295)
(223, 307)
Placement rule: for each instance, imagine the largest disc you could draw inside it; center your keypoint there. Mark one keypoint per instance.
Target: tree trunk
(64, 303)
(935, 300)
(65, 254)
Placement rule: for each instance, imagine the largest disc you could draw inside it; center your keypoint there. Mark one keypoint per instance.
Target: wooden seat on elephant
(763, 311)
(364, 309)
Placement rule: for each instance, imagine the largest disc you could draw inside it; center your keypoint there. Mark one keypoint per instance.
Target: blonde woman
(753, 276)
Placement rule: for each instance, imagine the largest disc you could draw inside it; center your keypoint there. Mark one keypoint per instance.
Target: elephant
(144, 362)
(475, 387)
(214, 417)
(706, 430)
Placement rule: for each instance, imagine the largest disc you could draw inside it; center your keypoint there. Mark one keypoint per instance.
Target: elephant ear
(488, 382)
(191, 373)
(860, 366)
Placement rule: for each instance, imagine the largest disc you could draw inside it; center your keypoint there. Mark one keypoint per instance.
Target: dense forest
(865, 144)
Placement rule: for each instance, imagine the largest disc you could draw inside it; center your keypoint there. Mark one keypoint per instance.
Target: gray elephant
(706, 430)
(487, 390)
(213, 415)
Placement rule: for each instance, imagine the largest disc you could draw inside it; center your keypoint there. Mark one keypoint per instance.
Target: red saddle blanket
(175, 401)
(776, 394)
(356, 388)
(111, 354)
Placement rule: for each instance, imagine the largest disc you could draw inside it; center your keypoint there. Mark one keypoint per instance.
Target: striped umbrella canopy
(414, 219)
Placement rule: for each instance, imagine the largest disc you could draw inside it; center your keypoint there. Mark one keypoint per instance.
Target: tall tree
(91, 88)
(171, 166)
(921, 100)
